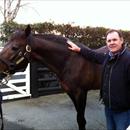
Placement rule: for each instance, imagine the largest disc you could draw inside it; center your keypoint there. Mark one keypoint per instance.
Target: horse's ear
(27, 30)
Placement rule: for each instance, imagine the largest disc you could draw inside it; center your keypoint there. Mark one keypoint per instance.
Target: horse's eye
(14, 48)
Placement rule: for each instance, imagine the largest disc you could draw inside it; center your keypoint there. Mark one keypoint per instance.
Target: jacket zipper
(110, 83)
(110, 87)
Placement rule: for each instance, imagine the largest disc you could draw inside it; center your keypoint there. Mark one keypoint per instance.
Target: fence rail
(18, 86)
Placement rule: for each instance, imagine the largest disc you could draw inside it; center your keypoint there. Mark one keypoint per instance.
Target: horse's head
(14, 56)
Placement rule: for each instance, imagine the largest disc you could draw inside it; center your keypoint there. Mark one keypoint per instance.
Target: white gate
(18, 86)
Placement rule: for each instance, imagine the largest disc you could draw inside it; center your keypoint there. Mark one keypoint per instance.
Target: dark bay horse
(76, 75)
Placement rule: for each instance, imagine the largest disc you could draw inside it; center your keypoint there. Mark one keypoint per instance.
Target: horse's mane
(63, 40)
(54, 38)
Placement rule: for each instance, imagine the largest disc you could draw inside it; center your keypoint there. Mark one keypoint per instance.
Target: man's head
(114, 40)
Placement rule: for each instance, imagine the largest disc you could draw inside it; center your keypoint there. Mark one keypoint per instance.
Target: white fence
(18, 86)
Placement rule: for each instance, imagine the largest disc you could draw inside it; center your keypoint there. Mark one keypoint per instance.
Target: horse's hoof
(82, 128)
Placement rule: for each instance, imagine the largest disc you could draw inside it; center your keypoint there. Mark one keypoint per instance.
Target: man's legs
(117, 120)
(122, 120)
(109, 119)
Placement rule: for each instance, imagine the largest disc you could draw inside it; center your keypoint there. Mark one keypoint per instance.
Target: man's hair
(114, 30)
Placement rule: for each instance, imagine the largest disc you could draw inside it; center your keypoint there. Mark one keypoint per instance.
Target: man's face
(114, 42)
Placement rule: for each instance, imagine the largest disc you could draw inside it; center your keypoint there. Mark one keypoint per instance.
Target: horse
(76, 74)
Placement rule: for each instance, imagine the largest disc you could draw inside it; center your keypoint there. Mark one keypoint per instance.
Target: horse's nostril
(12, 65)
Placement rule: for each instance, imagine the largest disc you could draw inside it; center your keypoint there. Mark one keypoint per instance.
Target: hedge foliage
(93, 37)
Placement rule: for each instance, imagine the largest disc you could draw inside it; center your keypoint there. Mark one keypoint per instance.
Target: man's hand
(73, 46)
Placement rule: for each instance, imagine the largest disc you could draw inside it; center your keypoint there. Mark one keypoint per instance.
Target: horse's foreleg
(79, 101)
(81, 104)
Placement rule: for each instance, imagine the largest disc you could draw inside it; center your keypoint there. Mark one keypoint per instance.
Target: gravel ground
(52, 112)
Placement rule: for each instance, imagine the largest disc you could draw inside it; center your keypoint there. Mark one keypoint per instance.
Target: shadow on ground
(13, 126)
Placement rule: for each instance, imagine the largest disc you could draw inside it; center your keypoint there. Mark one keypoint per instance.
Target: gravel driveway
(52, 112)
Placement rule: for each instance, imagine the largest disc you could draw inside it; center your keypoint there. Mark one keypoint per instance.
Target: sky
(95, 13)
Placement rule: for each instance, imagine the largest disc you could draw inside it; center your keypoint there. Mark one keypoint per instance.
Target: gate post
(42, 80)
(33, 81)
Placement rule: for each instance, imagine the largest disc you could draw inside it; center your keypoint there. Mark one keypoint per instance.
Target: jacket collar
(114, 55)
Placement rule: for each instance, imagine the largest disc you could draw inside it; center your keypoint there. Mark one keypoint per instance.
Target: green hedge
(90, 36)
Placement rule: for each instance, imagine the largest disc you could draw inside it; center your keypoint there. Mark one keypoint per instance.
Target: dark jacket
(115, 89)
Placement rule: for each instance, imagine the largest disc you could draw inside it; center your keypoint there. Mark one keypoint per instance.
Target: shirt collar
(113, 55)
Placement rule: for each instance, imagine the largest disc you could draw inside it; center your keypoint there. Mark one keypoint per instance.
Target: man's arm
(87, 53)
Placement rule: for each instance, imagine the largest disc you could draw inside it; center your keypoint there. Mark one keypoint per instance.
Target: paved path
(53, 112)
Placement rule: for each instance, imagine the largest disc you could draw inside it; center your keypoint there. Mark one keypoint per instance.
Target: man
(115, 89)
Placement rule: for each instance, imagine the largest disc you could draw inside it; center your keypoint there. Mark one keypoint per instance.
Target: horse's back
(103, 49)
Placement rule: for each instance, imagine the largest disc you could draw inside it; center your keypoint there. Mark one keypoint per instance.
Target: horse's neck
(51, 54)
